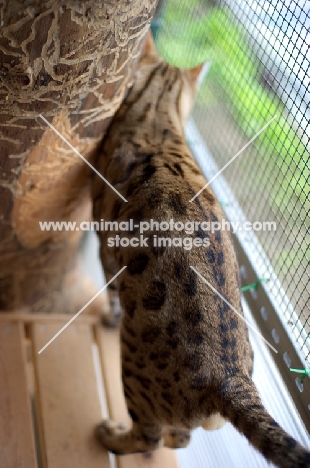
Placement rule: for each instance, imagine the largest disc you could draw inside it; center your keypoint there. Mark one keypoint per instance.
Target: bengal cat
(186, 356)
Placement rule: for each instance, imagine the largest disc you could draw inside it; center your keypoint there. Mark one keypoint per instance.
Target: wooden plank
(35, 318)
(68, 396)
(108, 340)
(16, 427)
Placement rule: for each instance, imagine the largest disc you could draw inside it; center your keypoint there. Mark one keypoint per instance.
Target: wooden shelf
(51, 402)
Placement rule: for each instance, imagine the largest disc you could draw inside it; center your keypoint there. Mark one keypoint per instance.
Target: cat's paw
(109, 428)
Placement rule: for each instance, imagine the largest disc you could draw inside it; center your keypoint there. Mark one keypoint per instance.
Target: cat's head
(180, 84)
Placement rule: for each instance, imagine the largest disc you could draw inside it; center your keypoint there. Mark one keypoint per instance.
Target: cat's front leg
(116, 439)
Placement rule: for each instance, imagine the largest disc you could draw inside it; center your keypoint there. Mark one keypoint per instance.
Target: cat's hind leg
(119, 440)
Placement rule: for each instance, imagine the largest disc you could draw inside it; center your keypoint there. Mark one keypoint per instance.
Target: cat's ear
(149, 46)
(197, 74)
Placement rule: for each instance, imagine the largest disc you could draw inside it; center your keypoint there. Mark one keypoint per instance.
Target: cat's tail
(243, 408)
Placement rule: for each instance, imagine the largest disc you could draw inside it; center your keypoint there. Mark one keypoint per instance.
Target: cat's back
(147, 159)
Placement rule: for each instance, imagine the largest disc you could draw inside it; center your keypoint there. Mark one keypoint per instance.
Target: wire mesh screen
(259, 70)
